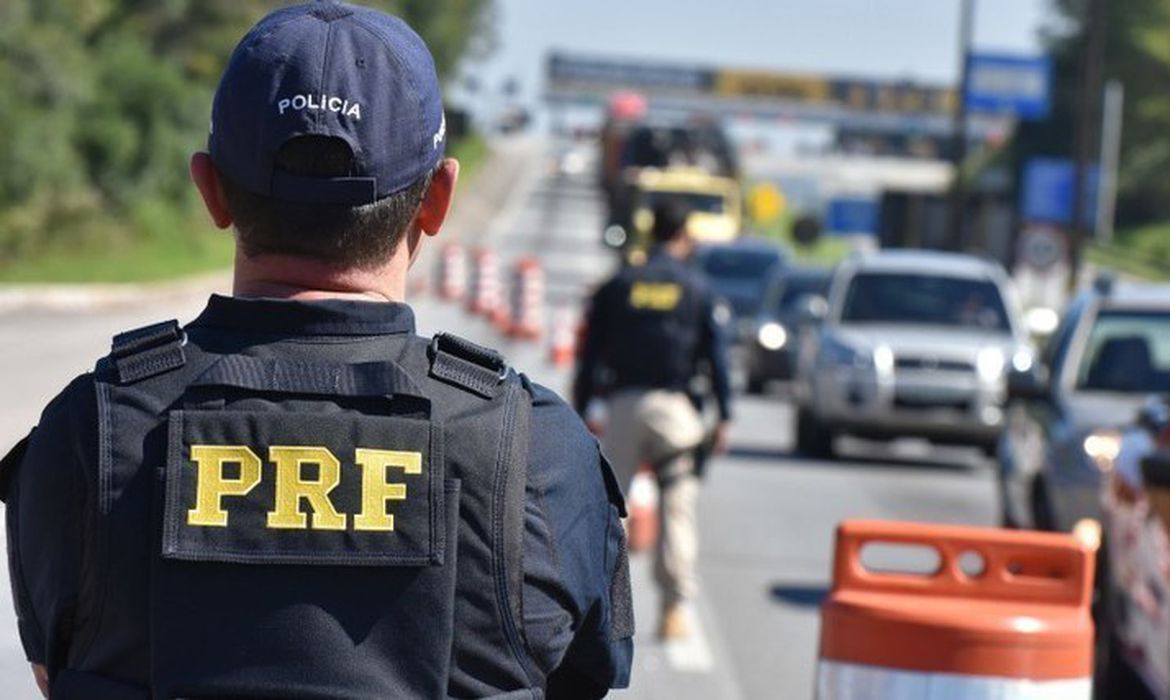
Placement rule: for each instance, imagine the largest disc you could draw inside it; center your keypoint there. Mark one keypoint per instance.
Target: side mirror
(813, 309)
(1029, 385)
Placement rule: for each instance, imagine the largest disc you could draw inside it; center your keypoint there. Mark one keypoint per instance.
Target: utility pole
(1111, 118)
(1085, 130)
(955, 227)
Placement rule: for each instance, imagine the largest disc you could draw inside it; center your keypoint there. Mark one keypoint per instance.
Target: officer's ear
(206, 179)
(437, 201)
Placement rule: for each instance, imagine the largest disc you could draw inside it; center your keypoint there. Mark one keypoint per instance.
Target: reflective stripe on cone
(484, 298)
(1017, 625)
(452, 272)
(642, 505)
(562, 350)
(527, 300)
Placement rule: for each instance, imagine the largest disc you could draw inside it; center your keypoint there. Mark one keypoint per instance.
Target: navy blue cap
(329, 69)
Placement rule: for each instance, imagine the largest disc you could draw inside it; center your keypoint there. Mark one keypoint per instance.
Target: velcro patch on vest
(301, 488)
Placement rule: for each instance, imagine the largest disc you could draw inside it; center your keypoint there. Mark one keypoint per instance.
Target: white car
(913, 344)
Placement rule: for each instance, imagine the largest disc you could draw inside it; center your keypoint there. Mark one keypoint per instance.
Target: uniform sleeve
(713, 346)
(596, 339)
(44, 523)
(577, 610)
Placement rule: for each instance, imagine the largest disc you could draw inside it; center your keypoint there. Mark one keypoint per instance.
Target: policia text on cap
(295, 495)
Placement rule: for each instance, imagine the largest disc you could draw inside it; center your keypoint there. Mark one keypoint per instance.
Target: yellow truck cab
(715, 203)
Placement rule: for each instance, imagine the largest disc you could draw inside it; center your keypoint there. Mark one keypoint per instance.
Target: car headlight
(1023, 360)
(883, 359)
(989, 363)
(1102, 448)
(772, 336)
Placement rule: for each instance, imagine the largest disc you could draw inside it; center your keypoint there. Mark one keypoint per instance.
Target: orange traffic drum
(935, 612)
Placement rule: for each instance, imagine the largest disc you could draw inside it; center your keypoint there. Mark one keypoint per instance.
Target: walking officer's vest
(318, 530)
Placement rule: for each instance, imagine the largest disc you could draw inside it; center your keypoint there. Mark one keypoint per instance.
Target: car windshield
(739, 275)
(920, 299)
(694, 201)
(1128, 352)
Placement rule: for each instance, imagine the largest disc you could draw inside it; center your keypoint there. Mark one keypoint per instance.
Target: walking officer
(295, 495)
(650, 330)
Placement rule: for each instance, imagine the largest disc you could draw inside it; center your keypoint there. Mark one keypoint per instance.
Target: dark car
(771, 346)
(1111, 350)
(739, 272)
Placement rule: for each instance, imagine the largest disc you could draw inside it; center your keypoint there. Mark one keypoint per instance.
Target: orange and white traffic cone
(1004, 614)
(527, 300)
(563, 348)
(642, 507)
(452, 272)
(484, 298)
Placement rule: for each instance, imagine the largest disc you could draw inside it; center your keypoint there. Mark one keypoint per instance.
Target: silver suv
(913, 343)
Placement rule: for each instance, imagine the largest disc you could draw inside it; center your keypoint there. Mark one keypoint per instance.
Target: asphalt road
(767, 517)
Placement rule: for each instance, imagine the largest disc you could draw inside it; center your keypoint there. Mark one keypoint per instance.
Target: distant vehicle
(697, 148)
(772, 340)
(1111, 350)
(715, 202)
(1132, 611)
(740, 272)
(914, 344)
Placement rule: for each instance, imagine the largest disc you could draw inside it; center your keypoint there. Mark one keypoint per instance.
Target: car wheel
(813, 438)
(1042, 518)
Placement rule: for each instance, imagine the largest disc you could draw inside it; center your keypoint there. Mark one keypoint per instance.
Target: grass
(164, 244)
(161, 242)
(1142, 252)
(471, 152)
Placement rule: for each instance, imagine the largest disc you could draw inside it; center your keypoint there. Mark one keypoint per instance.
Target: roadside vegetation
(103, 102)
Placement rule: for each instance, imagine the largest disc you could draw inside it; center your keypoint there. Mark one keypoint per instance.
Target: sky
(898, 39)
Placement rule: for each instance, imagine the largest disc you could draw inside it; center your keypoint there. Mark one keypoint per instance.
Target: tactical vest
(658, 313)
(316, 530)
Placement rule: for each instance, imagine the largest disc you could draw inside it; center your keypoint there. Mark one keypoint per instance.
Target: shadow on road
(804, 596)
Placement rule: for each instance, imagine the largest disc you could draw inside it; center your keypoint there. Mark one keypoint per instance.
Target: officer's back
(295, 495)
(653, 324)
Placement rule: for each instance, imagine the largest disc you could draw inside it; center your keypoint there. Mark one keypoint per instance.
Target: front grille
(933, 363)
(910, 402)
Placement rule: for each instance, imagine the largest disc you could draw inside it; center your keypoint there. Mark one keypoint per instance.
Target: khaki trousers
(661, 428)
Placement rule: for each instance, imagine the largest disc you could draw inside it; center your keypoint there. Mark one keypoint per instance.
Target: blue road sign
(851, 215)
(1016, 86)
(1047, 192)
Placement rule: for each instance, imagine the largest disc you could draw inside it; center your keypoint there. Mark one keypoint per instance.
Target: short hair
(340, 235)
(670, 220)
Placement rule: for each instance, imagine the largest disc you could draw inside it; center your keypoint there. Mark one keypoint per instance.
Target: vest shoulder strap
(148, 351)
(465, 364)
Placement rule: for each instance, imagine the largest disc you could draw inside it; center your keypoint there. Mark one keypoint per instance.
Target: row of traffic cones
(521, 313)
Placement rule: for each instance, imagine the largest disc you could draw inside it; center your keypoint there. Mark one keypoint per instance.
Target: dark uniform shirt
(653, 326)
(571, 536)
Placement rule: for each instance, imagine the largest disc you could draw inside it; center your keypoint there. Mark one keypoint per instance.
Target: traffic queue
(914, 343)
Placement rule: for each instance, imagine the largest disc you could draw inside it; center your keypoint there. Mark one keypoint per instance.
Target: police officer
(295, 495)
(649, 330)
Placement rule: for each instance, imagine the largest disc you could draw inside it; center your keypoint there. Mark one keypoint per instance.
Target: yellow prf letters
(291, 487)
(212, 486)
(293, 490)
(655, 296)
(376, 491)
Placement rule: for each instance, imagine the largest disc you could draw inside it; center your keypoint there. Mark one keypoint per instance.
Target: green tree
(1137, 53)
(101, 101)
